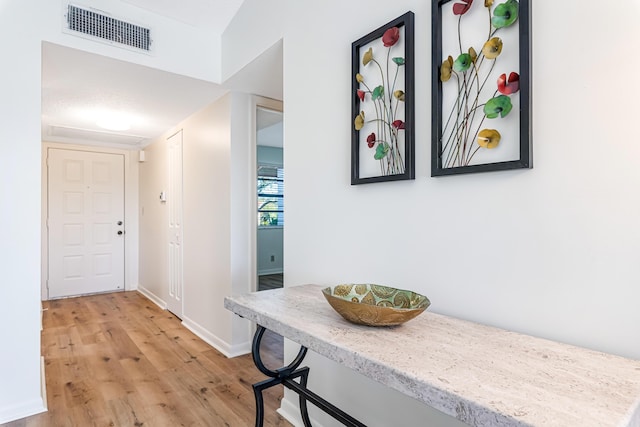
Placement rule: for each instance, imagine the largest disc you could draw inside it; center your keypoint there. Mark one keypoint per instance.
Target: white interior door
(174, 204)
(85, 222)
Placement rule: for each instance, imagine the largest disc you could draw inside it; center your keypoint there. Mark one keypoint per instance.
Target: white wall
(242, 41)
(176, 47)
(550, 251)
(20, 213)
(154, 220)
(207, 235)
(270, 243)
(270, 155)
(242, 182)
(217, 220)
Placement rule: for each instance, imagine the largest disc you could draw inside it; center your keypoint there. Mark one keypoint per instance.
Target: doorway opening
(270, 198)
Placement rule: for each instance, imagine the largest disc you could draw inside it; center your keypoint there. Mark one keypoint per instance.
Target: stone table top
(481, 375)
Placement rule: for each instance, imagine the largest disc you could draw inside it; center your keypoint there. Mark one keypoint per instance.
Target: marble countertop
(481, 375)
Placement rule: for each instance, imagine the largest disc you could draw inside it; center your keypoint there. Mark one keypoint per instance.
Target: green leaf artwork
(498, 106)
(505, 14)
(381, 151)
(462, 63)
(378, 92)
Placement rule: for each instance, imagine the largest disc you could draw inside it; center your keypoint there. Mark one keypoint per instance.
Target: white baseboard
(31, 407)
(153, 297)
(22, 410)
(43, 384)
(202, 333)
(220, 345)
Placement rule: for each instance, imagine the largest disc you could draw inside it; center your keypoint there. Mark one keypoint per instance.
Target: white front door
(174, 205)
(85, 220)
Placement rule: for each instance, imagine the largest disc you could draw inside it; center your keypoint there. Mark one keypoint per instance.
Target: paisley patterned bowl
(375, 305)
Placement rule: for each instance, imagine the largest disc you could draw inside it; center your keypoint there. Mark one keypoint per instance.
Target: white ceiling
(199, 13)
(77, 86)
(269, 127)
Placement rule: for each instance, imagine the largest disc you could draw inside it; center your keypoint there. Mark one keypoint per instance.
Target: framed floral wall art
(480, 86)
(382, 105)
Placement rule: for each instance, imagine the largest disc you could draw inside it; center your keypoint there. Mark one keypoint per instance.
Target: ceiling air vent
(94, 24)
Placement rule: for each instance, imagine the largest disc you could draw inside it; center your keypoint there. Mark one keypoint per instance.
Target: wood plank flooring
(119, 360)
(270, 281)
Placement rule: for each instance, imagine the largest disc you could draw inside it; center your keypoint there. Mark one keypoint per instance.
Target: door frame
(130, 212)
(271, 104)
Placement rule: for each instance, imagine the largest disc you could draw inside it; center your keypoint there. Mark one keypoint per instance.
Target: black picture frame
(398, 162)
(515, 152)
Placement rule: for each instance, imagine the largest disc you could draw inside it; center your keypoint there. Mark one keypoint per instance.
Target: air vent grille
(107, 28)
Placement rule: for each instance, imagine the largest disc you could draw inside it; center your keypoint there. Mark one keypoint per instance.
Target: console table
(481, 375)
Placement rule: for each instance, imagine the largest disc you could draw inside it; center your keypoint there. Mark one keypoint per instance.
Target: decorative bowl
(375, 305)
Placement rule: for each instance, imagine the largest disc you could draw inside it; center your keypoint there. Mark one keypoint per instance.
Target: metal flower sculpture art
(383, 98)
(465, 131)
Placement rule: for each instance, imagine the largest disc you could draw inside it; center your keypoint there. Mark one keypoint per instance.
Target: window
(270, 196)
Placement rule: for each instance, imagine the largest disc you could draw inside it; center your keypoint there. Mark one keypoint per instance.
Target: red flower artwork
(371, 140)
(361, 95)
(512, 85)
(462, 8)
(398, 124)
(390, 37)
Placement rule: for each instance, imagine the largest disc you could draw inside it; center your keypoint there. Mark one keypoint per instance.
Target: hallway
(119, 360)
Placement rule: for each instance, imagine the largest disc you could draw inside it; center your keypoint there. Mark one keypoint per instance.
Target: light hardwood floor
(270, 281)
(119, 360)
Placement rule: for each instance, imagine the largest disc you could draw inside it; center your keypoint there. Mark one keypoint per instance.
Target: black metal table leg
(257, 360)
(304, 411)
(286, 376)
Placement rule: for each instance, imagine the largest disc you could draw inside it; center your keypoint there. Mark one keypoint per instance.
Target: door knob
(119, 222)
(120, 232)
